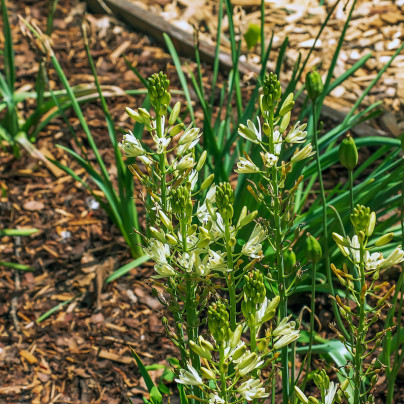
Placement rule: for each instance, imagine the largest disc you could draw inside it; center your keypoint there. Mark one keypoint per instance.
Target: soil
(81, 352)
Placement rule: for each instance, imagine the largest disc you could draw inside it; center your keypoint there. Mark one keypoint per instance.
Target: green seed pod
(314, 85)
(313, 249)
(348, 153)
(289, 260)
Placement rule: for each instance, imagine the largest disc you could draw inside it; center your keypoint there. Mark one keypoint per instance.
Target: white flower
(158, 251)
(192, 179)
(355, 249)
(284, 327)
(164, 269)
(131, 146)
(330, 393)
(250, 132)
(190, 378)
(287, 339)
(394, 258)
(215, 399)
(202, 212)
(188, 140)
(161, 143)
(306, 152)
(248, 362)
(190, 135)
(297, 134)
(373, 261)
(251, 389)
(277, 139)
(245, 166)
(217, 261)
(253, 247)
(269, 159)
(186, 163)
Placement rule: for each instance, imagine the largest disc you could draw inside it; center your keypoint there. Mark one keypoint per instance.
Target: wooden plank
(154, 25)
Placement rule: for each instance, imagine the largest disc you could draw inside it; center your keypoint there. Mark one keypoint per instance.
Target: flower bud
(207, 373)
(201, 160)
(313, 249)
(271, 92)
(301, 396)
(371, 224)
(340, 240)
(287, 105)
(176, 129)
(285, 122)
(239, 352)
(166, 221)
(313, 400)
(174, 113)
(314, 85)
(225, 200)
(208, 182)
(160, 236)
(254, 290)
(218, 322)
(171, 239)
(201, 352)
(235, 338)
(385, 239)
(249, 218)
(205, 344)
(348, 153)
(134, 115)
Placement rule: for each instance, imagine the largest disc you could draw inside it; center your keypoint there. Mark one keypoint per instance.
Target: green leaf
(143, 372)
(183, 396)
(53, 310)
(126, 268)
(15, 265)
(155, 396)
(17, 232)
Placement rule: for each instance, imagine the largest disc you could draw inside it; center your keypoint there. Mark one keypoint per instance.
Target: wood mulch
(80, 354)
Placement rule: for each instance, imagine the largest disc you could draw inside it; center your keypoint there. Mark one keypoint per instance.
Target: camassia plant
(228, 300)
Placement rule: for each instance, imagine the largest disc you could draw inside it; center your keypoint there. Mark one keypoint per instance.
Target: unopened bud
(301, 396)
(313, 249)
(166, 221)
(348, 153)
(207, 373)
(385, 239)
(208, 182)
(174, 113)
(287, 105)
(314, 85)
(201, 161)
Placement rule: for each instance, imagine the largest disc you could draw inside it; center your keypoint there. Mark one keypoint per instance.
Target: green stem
(223, 384)
(351, 185)
(325, 226)
(230, 279)
(279, 261)
(360, 332)
(312, 312)
(162, 164)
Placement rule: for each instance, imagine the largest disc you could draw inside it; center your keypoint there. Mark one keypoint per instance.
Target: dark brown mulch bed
(81, 353)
